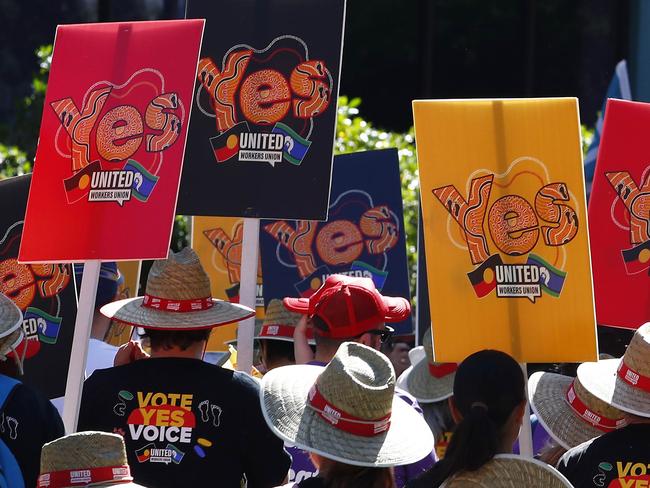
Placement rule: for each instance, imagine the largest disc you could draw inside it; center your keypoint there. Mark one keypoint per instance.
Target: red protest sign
(112, 141)
(619, 217)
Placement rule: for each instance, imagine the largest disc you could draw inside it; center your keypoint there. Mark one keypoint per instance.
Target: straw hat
(177, 298)
(346, 411)
(279, 323)
(568, 412)
(427, 381)
(508, 471)
(623, 383)
(95, 459)
(11, 321)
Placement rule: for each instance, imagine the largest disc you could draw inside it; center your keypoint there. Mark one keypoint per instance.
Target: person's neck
(193, 352)
(635, 420)
(278, 363)
(323, 355)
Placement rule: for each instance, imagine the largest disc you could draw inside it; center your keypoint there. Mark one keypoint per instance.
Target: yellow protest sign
(119, 333)
(505, 227)
(218, 242)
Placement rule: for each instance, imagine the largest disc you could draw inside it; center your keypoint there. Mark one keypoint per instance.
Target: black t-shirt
(185, 423)
(618, 459)
(28, 421)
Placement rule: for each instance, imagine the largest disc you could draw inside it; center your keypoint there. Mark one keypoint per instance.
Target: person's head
(86, 459)
(274, 353)
(12, 337)
(340, 475)
(276, 335)
(398, 353)
(177, 309)
(488, 405)
(346, 308)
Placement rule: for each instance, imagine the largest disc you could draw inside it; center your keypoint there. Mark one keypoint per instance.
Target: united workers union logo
(264, 101)
(355, 241)
(115, 137)
(35, 289)
(630, 212)
(514, 226)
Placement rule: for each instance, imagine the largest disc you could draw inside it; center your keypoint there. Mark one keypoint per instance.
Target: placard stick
(82, 326)
(526, 432)
(247, 292)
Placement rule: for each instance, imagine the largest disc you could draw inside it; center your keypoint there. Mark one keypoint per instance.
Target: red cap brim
(398, 309)
(299, 305)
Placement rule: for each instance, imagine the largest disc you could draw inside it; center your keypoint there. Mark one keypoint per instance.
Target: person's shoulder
(27, 399)
(578, 452)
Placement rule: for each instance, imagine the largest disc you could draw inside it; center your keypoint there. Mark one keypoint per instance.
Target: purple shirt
(302, 467)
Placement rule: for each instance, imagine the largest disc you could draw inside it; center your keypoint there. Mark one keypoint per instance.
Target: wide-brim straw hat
(359, 382)
(177, 297)
(279, 323)
(549, 399)
(11, 321)
(82, 456)
(510, 471)
(623, 383)
(420, 382)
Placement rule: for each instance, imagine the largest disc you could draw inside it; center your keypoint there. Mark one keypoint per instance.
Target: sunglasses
(384, 334)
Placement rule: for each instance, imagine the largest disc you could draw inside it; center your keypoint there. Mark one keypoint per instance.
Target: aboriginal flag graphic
(226, 144)
(77, 186)
(144, 453)
(637, 259)
(483, 278)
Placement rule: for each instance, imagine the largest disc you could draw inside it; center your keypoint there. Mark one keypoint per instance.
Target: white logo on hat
(331, 414)
(632, 377)
(44, 480)
(81, 476)
(119, 473)
(592, 417)
(273, 330)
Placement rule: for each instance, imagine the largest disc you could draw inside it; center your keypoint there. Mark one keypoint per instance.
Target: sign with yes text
(261, 140)
(505, 229)
(218, 242)
(619, 217)
(363, 237)
(112, 141)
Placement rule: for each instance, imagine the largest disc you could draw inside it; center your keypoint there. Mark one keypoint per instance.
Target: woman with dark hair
(488, 406)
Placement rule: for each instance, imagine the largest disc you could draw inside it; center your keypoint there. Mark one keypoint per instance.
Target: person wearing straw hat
(96, 459)
(620, 457)
(344, 309)
(488, 406)
(569, 413)
(347, 416)
(27, 418)
(276, 336)
(431, 384)
(184, 421)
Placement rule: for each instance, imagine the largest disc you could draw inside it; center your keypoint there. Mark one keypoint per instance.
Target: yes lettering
(516, 227)
(163, 418)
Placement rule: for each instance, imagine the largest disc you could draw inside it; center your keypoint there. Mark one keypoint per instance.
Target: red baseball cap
(350, 306)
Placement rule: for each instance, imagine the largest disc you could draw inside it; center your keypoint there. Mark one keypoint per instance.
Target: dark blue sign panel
(364, 235)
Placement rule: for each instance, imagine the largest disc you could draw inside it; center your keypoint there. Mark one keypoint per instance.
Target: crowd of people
(340, 405)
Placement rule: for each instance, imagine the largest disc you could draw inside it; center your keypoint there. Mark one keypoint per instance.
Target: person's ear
(370, 340)
(455, 413)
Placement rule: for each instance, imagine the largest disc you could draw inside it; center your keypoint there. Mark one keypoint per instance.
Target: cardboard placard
(112, 141)
(218, 242)
(262, 135)
(44, 292)
(505, 227)
(363, 237)
(619, 217)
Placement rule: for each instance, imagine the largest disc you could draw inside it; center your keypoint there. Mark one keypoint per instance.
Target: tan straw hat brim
(10, 316)
(547, 395)
(284, 404)
(131, 311)
(510, 471)
(425, 387)
(11, 342)
(602, 381)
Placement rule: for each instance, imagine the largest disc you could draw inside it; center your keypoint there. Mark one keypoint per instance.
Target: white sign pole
(526, 432)
(82, 326)
(248, 292)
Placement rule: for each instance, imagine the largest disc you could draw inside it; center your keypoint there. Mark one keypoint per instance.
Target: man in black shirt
(27, 419)
(184, 422)
(621, 458)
